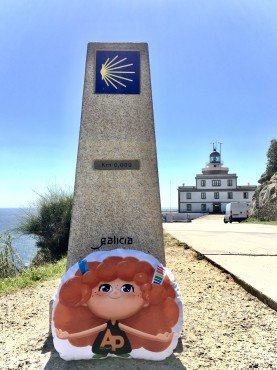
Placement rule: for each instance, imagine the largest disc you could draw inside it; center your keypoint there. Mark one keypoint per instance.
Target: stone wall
(264, 201)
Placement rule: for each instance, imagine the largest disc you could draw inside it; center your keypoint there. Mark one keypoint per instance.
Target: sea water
(25, 245)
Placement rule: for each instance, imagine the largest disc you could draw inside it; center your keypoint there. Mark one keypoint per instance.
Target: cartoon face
(116, 300)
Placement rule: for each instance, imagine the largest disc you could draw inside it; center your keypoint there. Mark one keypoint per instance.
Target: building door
(216, 207)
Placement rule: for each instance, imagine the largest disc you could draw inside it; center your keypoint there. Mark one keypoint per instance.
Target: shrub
(50, 222)
(271, 167)
(10, 262)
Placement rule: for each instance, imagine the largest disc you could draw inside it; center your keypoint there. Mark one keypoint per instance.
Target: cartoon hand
(164, 337)
(62, 334)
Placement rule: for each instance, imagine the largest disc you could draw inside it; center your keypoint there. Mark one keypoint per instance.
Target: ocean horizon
(25, 245)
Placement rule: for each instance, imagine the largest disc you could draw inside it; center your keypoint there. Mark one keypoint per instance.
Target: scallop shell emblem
(115, 72)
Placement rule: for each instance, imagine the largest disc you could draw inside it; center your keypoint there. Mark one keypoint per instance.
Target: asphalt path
(247, 251)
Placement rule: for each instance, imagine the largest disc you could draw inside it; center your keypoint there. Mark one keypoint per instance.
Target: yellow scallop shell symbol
(112, 71)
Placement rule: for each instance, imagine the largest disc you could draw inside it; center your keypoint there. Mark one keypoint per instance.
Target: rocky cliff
(264, 201)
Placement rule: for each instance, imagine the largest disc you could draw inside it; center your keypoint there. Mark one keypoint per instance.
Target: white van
(236, 211)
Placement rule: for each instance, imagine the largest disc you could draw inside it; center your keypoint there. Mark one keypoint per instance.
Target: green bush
(271, 167)
(10, 262)
(50, 222)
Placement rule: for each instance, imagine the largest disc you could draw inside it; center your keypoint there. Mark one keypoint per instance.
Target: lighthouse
(214, 188)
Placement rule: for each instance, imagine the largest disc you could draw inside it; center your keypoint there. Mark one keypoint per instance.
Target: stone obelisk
(116, 196)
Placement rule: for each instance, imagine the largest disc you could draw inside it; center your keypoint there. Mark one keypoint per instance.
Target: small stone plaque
(128, 164)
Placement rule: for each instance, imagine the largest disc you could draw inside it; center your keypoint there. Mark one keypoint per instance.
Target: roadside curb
(250, 289)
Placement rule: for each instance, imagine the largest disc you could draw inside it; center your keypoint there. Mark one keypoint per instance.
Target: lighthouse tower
(215, 165)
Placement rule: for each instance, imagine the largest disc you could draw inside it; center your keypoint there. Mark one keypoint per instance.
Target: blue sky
(214, 78)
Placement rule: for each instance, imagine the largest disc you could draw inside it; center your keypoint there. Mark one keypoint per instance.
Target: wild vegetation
(14, 275)
(271, 167)
(10, 262)
(263, 206)
(50, 222)
(254, 220)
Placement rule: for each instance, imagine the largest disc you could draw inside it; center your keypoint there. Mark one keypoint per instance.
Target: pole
(170, 196)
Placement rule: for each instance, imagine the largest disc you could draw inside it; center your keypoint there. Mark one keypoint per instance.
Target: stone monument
(116, 197)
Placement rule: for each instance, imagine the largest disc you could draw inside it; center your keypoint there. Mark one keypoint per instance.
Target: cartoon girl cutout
(114, 307)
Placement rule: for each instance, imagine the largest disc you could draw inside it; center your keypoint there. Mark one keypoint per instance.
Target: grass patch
(252, 220)
(32, 276)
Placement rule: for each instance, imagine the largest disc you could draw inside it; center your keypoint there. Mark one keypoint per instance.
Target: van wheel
(225, 221)
(230, 219)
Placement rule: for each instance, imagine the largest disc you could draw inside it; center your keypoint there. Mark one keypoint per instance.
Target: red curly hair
(158, 317)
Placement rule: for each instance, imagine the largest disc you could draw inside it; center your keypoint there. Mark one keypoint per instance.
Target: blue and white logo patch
(117, 72)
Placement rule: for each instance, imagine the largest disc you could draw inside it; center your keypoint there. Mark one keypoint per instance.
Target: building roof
(216, 189)
(214, 153)
(247, 187)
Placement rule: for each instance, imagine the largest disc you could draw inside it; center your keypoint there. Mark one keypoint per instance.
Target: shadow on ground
(55, 362)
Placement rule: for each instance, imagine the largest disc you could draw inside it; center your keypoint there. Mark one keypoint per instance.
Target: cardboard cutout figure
(117, 303)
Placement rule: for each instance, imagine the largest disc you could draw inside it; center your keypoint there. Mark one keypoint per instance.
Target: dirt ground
(224, 326)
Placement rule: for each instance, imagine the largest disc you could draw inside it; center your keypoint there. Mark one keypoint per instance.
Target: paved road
(248, 251)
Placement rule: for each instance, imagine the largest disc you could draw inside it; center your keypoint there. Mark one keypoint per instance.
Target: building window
(188, 207)
(216, 195)
(188, 195)
(230, 182)
(245, 195)
(203, 195)
(203, 183)
(230, 195)
(216, 182)
(203, 207)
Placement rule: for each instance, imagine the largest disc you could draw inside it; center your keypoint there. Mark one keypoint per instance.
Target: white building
(215, 188)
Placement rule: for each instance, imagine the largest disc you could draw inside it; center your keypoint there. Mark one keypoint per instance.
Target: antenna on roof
(220, 147)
